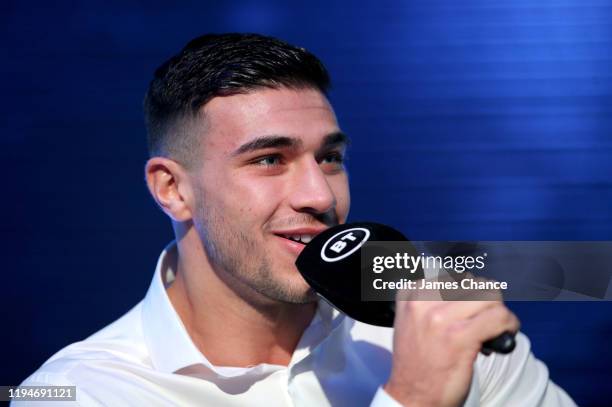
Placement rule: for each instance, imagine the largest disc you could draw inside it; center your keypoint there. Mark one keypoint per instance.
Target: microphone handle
(504, 343)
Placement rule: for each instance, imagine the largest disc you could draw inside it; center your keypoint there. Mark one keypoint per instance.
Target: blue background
(469, 119)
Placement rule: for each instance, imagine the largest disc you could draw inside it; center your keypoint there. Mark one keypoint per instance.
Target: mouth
(304, 239)
(297, 239)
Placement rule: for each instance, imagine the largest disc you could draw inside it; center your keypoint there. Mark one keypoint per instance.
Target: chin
(289, 286)
(307, 298)
(299, 293)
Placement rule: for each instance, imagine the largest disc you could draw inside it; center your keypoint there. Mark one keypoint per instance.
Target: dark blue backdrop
(470, 120)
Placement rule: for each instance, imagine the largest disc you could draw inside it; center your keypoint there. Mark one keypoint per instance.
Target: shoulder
(518, 378)
(112, 352)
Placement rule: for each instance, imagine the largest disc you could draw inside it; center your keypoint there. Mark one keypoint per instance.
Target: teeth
(299, 238)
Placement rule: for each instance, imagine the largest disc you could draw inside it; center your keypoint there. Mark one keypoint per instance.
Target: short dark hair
(219, 65)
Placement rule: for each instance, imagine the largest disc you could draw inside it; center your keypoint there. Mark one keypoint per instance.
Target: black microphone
(331, 265)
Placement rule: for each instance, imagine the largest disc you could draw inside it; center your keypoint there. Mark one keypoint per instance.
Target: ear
(170, 187)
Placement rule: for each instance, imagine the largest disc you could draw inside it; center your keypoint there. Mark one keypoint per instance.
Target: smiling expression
(271, 177)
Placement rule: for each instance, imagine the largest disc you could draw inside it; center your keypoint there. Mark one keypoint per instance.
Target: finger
(446, 288)
(451, 312)
(489, 324)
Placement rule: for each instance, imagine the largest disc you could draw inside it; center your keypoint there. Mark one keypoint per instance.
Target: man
(247, 161)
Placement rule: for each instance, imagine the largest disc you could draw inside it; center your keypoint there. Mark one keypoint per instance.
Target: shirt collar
(169, 344)
(171, 347)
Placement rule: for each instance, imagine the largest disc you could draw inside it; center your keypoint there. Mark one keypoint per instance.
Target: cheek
(254, 201)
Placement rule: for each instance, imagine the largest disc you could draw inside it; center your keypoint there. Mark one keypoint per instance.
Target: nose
(311, 191)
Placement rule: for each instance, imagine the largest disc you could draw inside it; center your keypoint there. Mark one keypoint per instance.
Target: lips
(300, 235)
(296, 239)
(301, 238)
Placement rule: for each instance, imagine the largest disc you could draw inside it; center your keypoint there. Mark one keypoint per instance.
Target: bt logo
(343, 244)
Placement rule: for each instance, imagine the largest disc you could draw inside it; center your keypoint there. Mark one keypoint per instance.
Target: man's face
(271, 173)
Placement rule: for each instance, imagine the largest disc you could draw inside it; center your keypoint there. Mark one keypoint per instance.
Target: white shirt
(147, 358)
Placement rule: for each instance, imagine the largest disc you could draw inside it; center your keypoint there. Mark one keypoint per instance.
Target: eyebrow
(263, 142)
(273, 141)
(335, 138)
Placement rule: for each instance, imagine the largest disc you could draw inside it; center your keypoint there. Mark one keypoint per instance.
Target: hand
(435, 344)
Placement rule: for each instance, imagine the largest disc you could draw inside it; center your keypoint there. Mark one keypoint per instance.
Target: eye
(268, 161)
(334, 157)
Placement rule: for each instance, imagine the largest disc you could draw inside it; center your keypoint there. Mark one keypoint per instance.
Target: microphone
(331, 264)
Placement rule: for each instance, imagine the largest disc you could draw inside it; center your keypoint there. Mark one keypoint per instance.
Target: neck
(229, 328)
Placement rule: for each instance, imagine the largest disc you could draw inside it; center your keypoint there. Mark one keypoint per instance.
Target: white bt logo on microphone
(343, 244)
